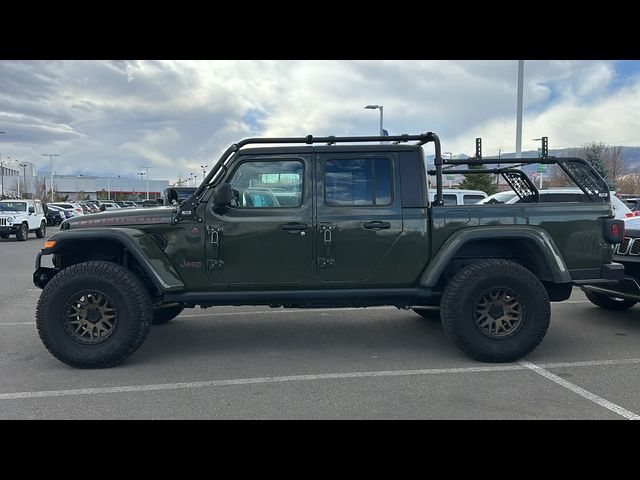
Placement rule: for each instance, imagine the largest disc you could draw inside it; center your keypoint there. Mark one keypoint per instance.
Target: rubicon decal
(134, 220)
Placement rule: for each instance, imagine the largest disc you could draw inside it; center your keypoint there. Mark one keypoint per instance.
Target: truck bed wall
(576, 228)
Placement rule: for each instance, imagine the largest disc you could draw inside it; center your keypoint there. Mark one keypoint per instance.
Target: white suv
(19, 217)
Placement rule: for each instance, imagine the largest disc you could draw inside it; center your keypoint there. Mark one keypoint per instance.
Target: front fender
(143, 248)
(540, 238)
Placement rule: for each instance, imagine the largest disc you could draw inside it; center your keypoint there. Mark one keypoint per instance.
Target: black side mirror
(103, 207)
(172, 196)
(223, 195)
(32, 210)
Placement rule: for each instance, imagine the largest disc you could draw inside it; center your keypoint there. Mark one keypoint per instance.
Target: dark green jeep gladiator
(312, 222)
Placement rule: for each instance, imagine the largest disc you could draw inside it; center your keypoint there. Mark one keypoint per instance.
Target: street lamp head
(372, 107)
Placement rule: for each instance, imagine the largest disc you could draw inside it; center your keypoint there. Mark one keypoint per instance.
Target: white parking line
(293, 378)
(581, 391)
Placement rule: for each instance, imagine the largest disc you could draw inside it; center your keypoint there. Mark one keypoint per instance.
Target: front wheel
(93, 315)
(23, 232)
(609, 303)
(495, 310)
(42, 231)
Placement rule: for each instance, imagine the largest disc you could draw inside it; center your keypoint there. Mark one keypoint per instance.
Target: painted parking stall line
(581, 391)
(324, 376)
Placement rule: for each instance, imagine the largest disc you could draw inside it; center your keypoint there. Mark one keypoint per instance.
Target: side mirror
(32, 210)
(103, 207)
(223, 195)
(172, 196)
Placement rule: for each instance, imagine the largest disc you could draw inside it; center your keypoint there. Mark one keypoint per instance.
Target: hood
(13, 213)
(122, 217)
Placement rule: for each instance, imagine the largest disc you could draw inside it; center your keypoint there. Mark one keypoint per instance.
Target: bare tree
(629, 184)
(615, 165)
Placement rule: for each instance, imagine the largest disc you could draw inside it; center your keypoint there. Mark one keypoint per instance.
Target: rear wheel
(495, 310)
(42, 231)
(166, 313)
(23, 232)
(609, 303)
(93, 315)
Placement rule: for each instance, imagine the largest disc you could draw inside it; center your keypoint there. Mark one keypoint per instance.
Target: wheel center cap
(93, 315)
(496, 311)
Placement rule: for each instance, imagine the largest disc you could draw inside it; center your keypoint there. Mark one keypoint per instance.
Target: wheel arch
(532, 247)
(131, 248)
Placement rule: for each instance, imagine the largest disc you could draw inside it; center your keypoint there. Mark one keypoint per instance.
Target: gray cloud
(116, 116)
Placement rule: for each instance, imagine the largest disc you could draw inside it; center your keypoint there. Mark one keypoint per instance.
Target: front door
(359, 215)
(265, 238)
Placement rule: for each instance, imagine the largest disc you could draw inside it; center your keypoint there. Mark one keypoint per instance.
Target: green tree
(479, 181)
(594, 153)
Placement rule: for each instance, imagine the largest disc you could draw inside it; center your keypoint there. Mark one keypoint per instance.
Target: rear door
(359, 214)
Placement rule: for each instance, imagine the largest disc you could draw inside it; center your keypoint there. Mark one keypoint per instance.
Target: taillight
(615, 230)
(628, 215)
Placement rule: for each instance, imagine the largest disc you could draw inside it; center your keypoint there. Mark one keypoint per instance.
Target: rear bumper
(607, 273)
(628, 288)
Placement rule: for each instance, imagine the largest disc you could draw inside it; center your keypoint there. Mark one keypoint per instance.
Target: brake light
(615, 230)
(630, 214)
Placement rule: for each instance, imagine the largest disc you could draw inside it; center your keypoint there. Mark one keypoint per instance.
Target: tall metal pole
(519, 112)
(2, 171)
(51, 155)
(381, 128)
(147, 168)
(24, 175)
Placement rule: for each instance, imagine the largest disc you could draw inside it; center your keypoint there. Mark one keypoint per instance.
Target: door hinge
(215, 237)
(326, 230)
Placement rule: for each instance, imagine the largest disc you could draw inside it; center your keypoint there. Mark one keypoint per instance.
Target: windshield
(13, 207)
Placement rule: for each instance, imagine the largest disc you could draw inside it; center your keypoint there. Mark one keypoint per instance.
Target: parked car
(108, 205)
(77, 209)
(67, 212)
(19, 217)
(183, 194)
(625, 294)
(563, 194)
(456, 196)
(54, 215)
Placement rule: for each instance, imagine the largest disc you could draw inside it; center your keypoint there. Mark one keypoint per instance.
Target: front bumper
(43, 275)
(9, 229)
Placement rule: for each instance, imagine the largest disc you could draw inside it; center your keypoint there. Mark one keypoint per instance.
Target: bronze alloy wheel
(90, 317)
(499, 313)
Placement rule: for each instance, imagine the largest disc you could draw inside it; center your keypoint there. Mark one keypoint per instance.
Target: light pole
(51, 155)
(108, 184)
(376, 107)
(204, 171)
(141, 174)
(147, 168)
(121, 194)
(24, 175)
(2, 172)
(498, 175)
(519, 109)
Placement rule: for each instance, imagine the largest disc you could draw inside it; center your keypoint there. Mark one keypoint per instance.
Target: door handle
(294, 227)
(377, 225)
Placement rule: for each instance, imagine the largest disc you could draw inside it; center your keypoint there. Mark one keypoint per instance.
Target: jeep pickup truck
(314, 222)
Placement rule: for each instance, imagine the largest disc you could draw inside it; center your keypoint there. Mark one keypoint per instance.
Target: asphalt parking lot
(261, 363)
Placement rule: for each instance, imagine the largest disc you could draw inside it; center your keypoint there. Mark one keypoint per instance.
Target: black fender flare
(540, 238)
(143, 248)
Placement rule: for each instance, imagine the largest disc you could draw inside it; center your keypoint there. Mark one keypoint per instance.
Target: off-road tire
(166, 313)
(133, 312)
(23, 232)
(463, 296)
(609, 303)
(428, 313)
(42, 231)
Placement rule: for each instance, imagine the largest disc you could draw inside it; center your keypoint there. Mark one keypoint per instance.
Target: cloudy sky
(117, 116)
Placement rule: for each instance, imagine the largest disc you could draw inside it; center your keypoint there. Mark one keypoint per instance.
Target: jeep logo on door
(186, 264)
